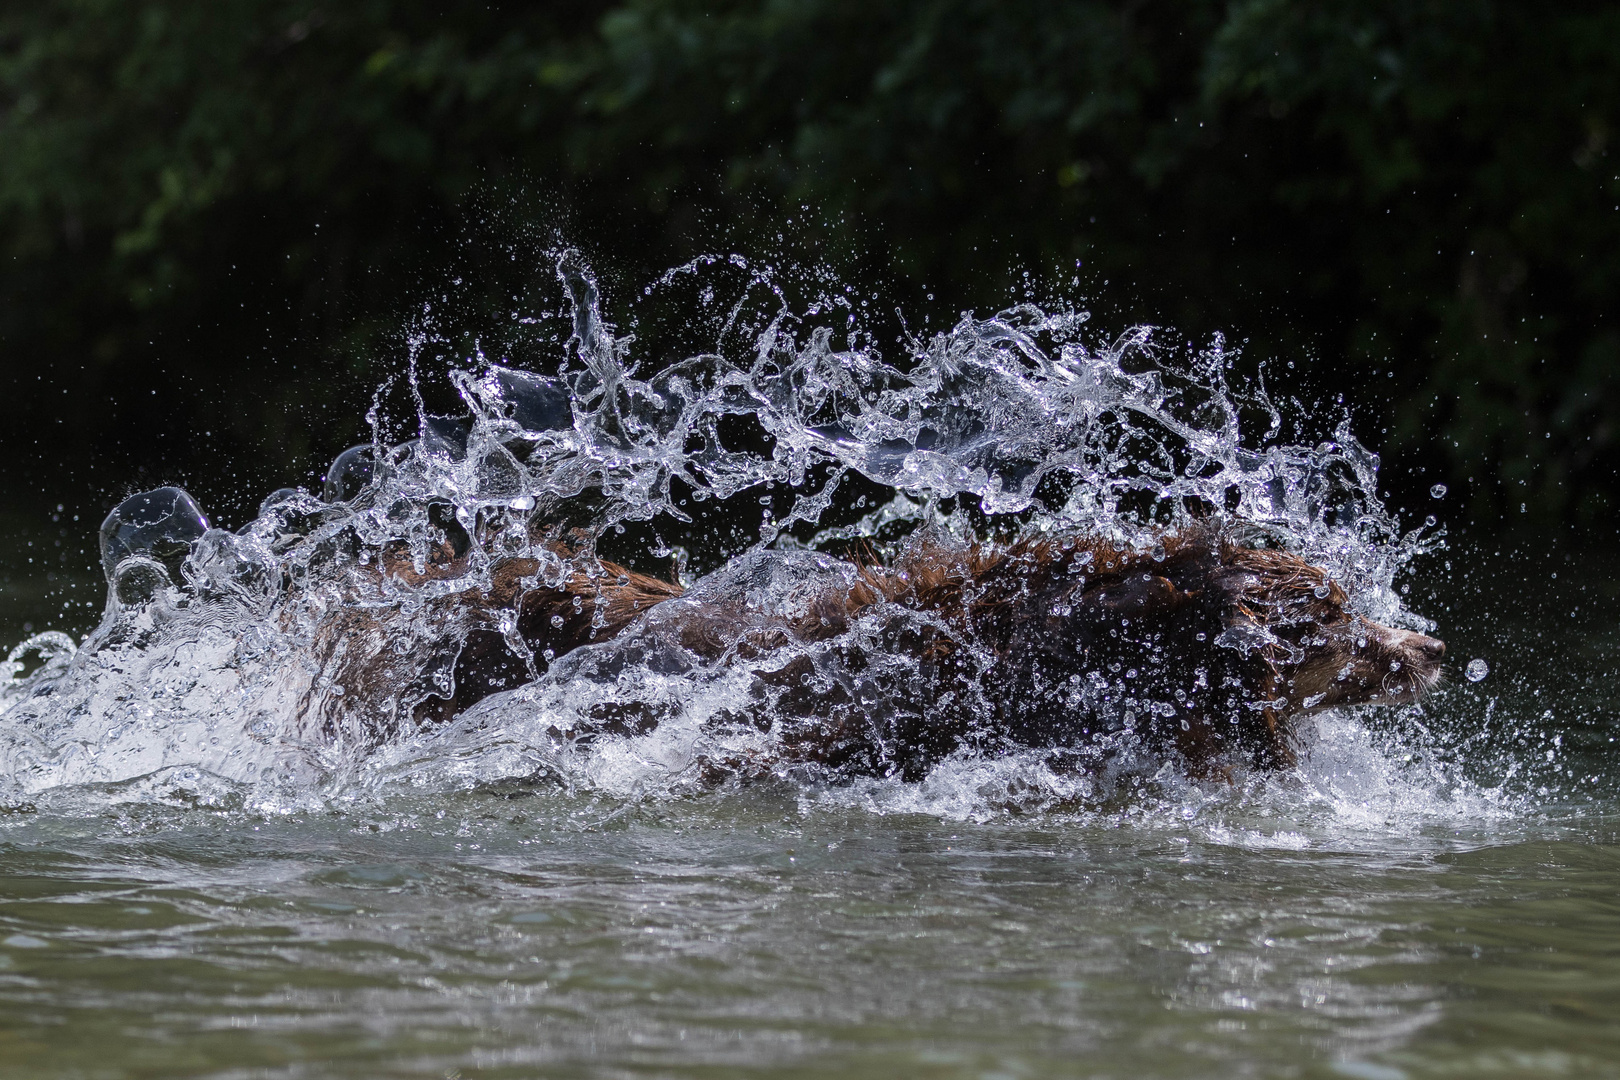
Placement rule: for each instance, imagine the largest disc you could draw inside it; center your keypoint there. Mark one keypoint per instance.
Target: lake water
(1456, 915)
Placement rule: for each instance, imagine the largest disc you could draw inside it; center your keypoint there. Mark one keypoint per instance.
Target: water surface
(743, 936)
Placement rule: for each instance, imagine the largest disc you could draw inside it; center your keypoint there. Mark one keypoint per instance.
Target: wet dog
(1202, 648)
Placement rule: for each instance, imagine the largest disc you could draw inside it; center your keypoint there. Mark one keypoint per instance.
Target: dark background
(218, 218)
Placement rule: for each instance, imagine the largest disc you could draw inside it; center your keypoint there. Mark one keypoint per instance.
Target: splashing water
(218, 662)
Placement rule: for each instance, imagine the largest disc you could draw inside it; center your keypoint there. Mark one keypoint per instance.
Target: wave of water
(212, 669)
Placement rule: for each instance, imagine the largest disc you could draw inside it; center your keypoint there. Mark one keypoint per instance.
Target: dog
(1202, 648)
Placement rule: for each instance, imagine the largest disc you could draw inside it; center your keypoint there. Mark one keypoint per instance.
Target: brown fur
(1204, 647)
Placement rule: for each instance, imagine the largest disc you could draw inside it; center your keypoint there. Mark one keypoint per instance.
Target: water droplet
(1477, 670)
(1438, 491)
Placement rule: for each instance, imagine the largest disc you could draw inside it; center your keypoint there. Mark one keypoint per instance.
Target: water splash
(220, 653)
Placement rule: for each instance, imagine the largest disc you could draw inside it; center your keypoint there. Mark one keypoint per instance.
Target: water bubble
(1438, 491)
(349, 473)
(1476, 670)
(159, 524)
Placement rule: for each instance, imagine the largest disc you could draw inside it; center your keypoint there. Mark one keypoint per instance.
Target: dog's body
(1202, 648)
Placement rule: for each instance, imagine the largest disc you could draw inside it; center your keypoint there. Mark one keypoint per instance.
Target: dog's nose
(1433, 648)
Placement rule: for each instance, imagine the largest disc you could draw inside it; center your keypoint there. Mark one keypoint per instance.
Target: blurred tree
(235, 203)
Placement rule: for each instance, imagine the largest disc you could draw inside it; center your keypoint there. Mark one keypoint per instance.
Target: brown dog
(1204, 648)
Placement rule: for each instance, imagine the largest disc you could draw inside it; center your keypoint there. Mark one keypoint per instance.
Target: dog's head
(1321, 655)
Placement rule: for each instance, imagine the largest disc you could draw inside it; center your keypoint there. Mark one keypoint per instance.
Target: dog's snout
(1417, 647)
(1432, 648)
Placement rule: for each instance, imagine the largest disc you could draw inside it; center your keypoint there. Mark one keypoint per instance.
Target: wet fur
(1205, 648)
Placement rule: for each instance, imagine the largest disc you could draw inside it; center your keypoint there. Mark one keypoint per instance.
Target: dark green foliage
(239, 202)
